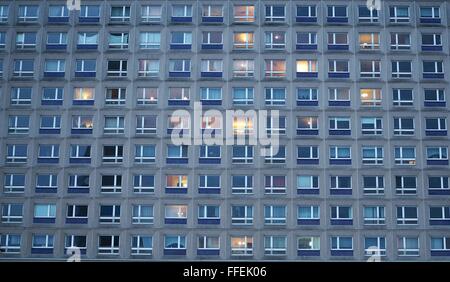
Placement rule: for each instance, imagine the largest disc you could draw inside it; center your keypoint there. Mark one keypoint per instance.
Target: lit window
(243, 40)
(244, 14)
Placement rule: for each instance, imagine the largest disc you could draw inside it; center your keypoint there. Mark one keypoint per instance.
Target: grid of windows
(363, 129)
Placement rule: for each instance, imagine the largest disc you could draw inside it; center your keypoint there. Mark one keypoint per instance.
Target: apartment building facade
(87, 160)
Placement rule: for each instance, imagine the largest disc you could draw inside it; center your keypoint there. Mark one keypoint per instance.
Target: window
(373, 185)
(340, 185)
(2, 40)
(179, 94)
(306, 41)
(174, 242)
(243, 40)
(439, 215)
(14, 183)
(276, 125)
(241, 215)
(89, 13)
(242, 184)
(437, 184)
(150, 40)
(118, 40)
(77, 181)
(374, 215)
(242, 246)
(111, 183)
(307, 184)
(176, 212)
(212, 11)
(211, 68)
(148, 68)
(341, 213)
(44, 211)
(209, 184)
(307, 96)
(375, 245)
(399, 14)
(339, 96)
(431, 41)
(76, 241)
(212, 39)
(120, 14)
(275, 245)
(274, 184)
(177, 182)
(306, 13)
(208, 214)
(275, 68)
(178, 124)
(308, 214)
(48, 153)
(141, 245)
(109, 214)
(401, 69)
(146, 124)
(77, 213)
(275, 13)
(16, 153)
(23, 68)
(85, 67)
(12, 213)
(402, 97)
(274, 215)
(143, 183)
(82, 124)
(436, 126)
(28, 13)
(408, 246)
(87, 40)
(142, 214)
(429, 12)
(369, 41)
(370, 69)
(115, 96)
(340, 153)
(339, 125)
(4, 13)
(18, 124)
(433, 69)
(338, 67)
(108, 245)
(308, 244)
(26, 40)
(243, 96)
(182, 11)
(407, 215)
(210, 94)
(244, 14)
(177, 151)
(43, 242)
(370, 96)
(180, 66)
(243, 68)
(372, 155)
(209, 243)
(405, 155)
(80, 153)
(145, 154)
(371, 125)
(304, 67)
(112, 154)
(337, 14)
(275, 96)
(209, 152)
(437, 155)
(54, 68)
(151, 13)
(275, 40)
(21, 96)
(10, 243)
(366, 15)
(57, 11)
(242, 154)
(307, 154)
(147, 96)
(46, 182)
(275, 154)
(440, 244)
(400, 41)
(338, 41)
(341, 243)
(181, 38)
(114, 125)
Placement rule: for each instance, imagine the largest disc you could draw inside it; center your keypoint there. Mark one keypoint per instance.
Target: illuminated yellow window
(244, 40)
(369, 41)
(275, 68)
(370, 97)
(83, 94)
(242, 125)
(242, 245)
(244, 14)
(306, 66)
(177, 181)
